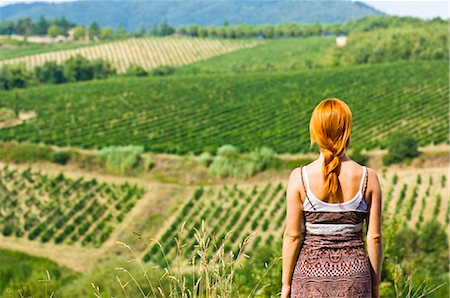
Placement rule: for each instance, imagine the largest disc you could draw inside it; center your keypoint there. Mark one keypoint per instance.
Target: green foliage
(79, 68)
(50, 72)
(135, 70)
(121, 159)
(250, 109)
(394, 44)
(228, 162)
(358, 156)
(61, 157)
(401, 146)
(15, 76)
(163, 70)
(25, 152)
(19, 270)
(7, 114)
(205, 158)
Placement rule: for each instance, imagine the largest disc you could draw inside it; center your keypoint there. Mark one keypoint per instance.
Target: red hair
(330, 128)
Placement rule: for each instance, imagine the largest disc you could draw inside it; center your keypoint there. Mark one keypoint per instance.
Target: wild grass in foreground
(210, 272)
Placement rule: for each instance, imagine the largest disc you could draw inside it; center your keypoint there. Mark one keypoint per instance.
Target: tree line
(54, 27)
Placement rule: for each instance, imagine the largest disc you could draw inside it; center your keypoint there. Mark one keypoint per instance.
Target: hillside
(179, 114)
(111, 13)
(148, 52)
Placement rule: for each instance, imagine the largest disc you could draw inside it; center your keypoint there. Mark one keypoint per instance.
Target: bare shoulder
(373, 181)
(295, 180)
(373, 175)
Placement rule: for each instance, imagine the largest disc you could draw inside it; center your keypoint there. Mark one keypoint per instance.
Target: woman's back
(333, 261)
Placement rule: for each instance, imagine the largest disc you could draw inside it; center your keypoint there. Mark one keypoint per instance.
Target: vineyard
(146, 52)
(182, 114)
(62, 210)
(411, 198)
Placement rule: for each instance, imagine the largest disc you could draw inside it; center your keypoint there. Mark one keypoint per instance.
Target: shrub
(163, 70)
(120, 159)
(401, 146)
(135, 70)
(229, 162)
(50, 72)
(61, 157)
(15, 76)
(7, 114)
(205, 158)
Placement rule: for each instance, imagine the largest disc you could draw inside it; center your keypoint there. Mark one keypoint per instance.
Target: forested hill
(206, 13)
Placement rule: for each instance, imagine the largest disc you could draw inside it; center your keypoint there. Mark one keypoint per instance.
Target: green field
(18, 270)
(201, 113)
(273, 55)
(60, 209)
(412, 199)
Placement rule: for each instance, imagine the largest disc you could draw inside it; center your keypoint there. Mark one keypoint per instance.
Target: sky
(422, 9)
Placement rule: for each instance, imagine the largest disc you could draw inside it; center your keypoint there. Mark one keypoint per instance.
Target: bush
(15, 76)
(205, 158)
(163, 70)
(135, 70)
(25, 152)
(401, 147)
(229, 162)
(120, 159)
(7, 114)
(61, 158)
(50, 72)
(79, 68)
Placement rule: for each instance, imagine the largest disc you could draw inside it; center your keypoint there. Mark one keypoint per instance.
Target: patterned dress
(332, 261)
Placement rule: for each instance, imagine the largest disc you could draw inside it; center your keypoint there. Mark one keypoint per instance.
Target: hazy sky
(423, 9)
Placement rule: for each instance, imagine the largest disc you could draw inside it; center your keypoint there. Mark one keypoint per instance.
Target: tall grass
(209, 273)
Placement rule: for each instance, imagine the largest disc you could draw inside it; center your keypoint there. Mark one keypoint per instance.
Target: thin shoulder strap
(364, 186)
(306, 191)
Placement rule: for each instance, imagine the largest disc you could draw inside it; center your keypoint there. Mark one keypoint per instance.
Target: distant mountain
(133, 14)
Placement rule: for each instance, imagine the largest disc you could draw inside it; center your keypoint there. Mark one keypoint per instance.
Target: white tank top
(313, 204)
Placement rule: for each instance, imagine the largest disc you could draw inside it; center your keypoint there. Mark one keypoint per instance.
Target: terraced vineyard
(147, 52)
(62, 210)
(182, 114)
(412, 198)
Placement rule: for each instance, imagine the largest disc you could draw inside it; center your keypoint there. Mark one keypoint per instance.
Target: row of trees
(76, 68)
(55, 27)
(25, 26)
(61, 26)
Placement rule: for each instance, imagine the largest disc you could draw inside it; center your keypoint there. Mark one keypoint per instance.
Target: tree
(24, 26)
(136, 71)
(401, 146)
(106, 33)
(154, 30)
(165, 29)
(102, 69)
(94, 31)
(15, 76)
(41, 27)
(78, 68)
(121, 32)
(142, 31)
(55, 30)
(79, 32)
(50, 72)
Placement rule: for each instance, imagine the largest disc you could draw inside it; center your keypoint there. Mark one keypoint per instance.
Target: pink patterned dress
(332, 261)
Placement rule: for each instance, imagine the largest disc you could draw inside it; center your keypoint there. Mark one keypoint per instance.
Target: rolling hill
(207, 13)
(199, 113)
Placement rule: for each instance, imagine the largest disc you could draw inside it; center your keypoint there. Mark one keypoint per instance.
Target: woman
(328, 200)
